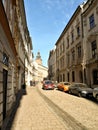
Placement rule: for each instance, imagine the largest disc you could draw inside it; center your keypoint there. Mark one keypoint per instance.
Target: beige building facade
(15, 52)
(39, 71)
(8, 63)
(69, 50)
(52, 65)
(28, 62)
(77, 46)
(90, 42)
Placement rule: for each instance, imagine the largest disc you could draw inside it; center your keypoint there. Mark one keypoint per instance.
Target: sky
(46, 19)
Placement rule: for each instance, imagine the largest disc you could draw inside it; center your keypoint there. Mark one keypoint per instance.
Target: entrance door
(5, 73)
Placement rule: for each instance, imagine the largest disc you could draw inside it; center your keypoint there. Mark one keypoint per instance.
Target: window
(73, 76)
(91, 21)
(73, 55)
(63, 47)
(68, 59)
(95, 77)
(57, 52)
(85, 76)
(78, 31)
(67, 42)
(63, 77)
(62, 62)
(81, 77)
(68, 76)
(60, 49)
(94, 47)
(5, 59)
(79, 51)
(72, 36)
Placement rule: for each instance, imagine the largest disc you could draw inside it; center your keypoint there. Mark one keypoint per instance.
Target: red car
(48, 84)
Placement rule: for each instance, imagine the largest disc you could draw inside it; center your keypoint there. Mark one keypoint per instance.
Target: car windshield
(48, 82)
(80, 85)
(66, 83)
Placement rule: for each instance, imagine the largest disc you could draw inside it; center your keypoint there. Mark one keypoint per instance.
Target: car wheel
(79, 94)
(97, 98)
(69, 92)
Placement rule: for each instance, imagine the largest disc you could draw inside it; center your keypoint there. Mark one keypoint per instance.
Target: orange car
(64, 86)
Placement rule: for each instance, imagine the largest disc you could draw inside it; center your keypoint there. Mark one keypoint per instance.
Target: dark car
(81, 90)
(95, 93)
(48, 84)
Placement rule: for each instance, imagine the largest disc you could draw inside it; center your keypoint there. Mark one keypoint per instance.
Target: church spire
(38, 55)
(38, 58)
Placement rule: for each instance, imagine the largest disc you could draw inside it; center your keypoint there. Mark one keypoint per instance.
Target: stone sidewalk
(33, 113)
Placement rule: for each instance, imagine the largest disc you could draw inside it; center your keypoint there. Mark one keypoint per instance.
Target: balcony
(92, 60)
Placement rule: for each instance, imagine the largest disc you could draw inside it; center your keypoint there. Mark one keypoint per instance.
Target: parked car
(95, 93)
(80, 89)
(48, 84)
(64, 86)
(55, 83)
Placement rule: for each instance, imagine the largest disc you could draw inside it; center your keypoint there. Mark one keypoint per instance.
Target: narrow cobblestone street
(79, 113)
(34, 114)
(47, 110)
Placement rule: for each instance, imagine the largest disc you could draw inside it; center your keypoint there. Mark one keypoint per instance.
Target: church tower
(38, 58)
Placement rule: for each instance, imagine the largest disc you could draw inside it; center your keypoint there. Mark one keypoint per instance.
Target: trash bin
(23, 86)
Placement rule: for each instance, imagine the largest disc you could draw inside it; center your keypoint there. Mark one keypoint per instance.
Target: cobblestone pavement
(33, 113)
(53, 110)
(81, 110)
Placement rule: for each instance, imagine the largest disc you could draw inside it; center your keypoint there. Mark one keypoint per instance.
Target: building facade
(39, 71)
(8, 63)
(15, 52)
(77, 46)
(90, 42)
(52, 65)
(28, 61)
(69, 50)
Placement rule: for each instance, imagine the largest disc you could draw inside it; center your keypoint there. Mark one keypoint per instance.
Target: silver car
(95, 93)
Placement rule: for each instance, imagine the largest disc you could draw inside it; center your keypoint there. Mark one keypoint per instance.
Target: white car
(95, 93)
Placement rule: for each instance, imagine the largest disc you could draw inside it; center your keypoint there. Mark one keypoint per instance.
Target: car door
(74, 90)
(61, 86)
